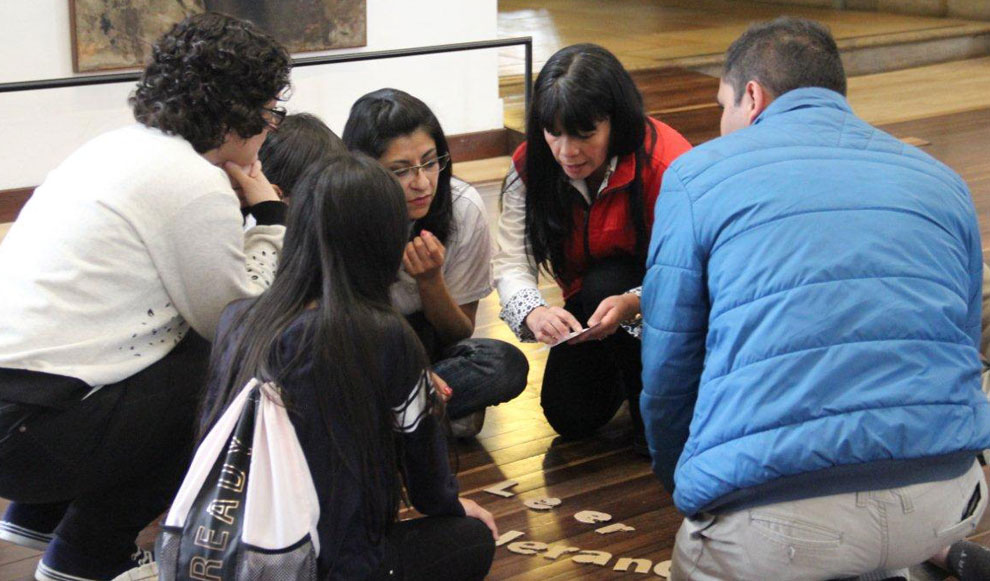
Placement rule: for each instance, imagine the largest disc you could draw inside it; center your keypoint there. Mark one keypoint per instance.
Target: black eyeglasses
(431, 166)
(277, 115)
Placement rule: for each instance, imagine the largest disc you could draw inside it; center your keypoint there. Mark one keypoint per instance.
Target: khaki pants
(829, 537)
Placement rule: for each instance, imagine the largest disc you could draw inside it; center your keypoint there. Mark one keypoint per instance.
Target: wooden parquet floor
(686, 100)
(658, 33)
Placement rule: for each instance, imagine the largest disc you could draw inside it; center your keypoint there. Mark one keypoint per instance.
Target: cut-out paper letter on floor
(500, 489)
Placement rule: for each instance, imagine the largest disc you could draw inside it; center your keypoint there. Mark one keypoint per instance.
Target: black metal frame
(105, 79)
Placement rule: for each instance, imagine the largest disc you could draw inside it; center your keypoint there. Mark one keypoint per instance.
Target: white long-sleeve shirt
(515, 270)
(133, 239)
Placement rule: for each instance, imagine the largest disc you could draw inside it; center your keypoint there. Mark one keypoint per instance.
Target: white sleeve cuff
(516, 310)
(634, 326)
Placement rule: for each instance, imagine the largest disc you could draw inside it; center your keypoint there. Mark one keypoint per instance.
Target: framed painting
(118, 34)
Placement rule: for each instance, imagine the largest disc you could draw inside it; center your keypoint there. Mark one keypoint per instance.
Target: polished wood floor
(657, 33)
(686, 100)
(647, 35)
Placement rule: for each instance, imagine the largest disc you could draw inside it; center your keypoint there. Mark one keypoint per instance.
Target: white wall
(38, 129)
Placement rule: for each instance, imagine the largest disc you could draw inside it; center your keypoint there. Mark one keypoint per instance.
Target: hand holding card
(572, 335)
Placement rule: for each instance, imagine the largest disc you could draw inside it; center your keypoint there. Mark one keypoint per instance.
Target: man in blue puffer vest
(812, 315)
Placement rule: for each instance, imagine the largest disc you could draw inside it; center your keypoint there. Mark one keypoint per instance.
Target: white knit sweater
(129, 242)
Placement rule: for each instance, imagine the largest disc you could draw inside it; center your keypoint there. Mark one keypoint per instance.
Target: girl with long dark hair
(577, 203)
(446, 266)
(352, 374)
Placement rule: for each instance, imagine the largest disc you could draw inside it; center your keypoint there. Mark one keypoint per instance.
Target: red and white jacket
(602, 218)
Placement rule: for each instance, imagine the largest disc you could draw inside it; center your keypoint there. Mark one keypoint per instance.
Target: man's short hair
(782, 55)
(210, 75)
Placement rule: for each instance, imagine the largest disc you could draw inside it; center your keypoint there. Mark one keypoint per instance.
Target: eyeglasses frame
(414, 170)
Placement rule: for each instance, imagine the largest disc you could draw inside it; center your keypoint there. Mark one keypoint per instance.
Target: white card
(573, 334)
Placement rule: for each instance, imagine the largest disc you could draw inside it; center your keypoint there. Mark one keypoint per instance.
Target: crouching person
(115, 276)
(352, 376)
(812, 321)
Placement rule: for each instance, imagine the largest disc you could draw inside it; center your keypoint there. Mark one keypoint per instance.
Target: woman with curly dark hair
(115, 275)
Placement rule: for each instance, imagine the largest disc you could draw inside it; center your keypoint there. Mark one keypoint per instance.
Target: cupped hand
(424, 256)
(551, 324)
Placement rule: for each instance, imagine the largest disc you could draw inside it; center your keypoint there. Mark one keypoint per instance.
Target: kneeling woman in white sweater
(115, 275)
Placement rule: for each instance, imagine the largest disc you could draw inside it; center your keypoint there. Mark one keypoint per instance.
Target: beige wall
(38, 129)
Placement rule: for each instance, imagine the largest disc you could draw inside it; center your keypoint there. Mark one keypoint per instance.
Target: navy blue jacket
(346, 551)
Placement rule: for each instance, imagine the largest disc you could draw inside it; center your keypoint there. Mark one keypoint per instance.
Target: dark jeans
(440, 547)
(110, 462)
(584, 384)
(480, 372)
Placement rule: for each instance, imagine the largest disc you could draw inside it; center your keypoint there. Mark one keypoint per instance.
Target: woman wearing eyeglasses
(446, 268)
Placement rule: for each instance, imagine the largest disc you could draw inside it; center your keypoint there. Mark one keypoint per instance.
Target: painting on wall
(118, 34)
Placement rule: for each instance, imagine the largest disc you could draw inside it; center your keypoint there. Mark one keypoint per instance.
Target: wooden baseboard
(11, 202)
(463, 147)
(481, 144)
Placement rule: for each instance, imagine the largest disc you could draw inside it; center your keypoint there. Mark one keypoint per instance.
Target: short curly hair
(209, 75)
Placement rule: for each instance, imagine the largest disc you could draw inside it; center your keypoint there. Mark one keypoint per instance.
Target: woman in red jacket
(578, 204)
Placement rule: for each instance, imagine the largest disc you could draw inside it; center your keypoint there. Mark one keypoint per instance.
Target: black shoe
(968, 560)
(31, 525)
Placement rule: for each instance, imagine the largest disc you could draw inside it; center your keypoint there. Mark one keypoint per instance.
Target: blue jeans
(481, 373)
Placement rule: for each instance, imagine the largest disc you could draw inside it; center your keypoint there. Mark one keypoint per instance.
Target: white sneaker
(142, 573)
(62, 562)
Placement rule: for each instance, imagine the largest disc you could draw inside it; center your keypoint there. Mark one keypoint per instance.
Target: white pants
(842, 535)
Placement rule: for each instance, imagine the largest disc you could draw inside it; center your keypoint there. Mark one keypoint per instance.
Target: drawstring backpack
(247, 508)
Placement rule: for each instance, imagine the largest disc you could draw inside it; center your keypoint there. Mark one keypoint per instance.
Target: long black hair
(300, 140)
(578, 87)
(379, 117)
(343, 247)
